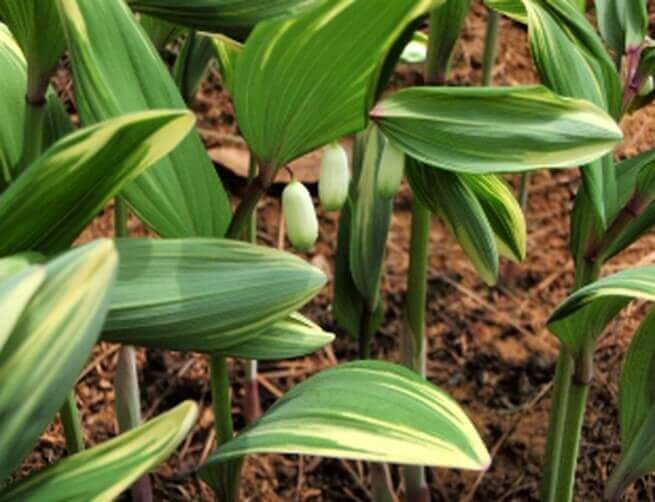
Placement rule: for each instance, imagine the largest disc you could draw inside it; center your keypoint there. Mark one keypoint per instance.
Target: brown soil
(488, 347)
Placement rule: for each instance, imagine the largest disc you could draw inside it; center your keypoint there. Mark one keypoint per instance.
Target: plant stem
(252, 405)
(226, 475)
(35, 112)
(413, 334)
(381, 486)
(254, 192)
(70, 419)
(571, 385)
(524, 188)
(490, 43)
(127, 400)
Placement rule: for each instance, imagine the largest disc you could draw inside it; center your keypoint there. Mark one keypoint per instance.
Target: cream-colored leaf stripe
(204, 294)
(368, 410)
(49, 345)
(79, 174)
(291, 337)
(308, 80)
(486, 130)
(102, 473)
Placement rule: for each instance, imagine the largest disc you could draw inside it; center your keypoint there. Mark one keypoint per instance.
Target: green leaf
(587, 312)
(636, 410)
(446, 22)
(227, 53)
(102, 473)
(16, 291)
(623, 23)
(503, 212)
(161, 33)
(36, 26)
(635, 181)
(573, 62)
(487, 130)
(232, 17)
(513, 9)
(57, 122)
(203, 295)
(50, 344)
(294, 336)
(610, 24)
(368, 410)
(192, 64)
(117, 71)
(370, 220)
(68, 185)
(283, 110)
(347, 303)
(449, 197)
(13, 82)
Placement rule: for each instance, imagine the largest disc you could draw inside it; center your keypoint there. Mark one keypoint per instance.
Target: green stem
(490, 47)
(524, 188)
(35, 112)
(126, 382)
(413, 334)
(570, 389)
(365, 333)
(70, 419)
(252, 402)
(226, 476)
(254, 192)
(381, 486)
(120, 218)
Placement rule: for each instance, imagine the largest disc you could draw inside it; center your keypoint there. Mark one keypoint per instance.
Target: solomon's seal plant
(198, 287)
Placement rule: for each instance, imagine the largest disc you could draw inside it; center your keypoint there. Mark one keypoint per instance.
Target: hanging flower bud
(299, 216)
(391, 171)
(335, 178)
(647, 87)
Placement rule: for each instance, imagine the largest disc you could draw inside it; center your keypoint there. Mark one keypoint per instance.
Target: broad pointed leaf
(50, 344)
(487, 130)
(16, 291)
(370, 218)
(63, 190)
(503, 213)
(635, 190)
(102, 473)
(573, 62)
(36, 26)
(587, 312)
(367, 410)
(227, 54)
(637, 409)
(513, 9)
(232, 17)
(446, 22)
(203, 295)
(117, 71)
(291, 337)
(13, 82)
(450, 198)
(192, 63)
(161, 33)
(347, 302)
(283, 108)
